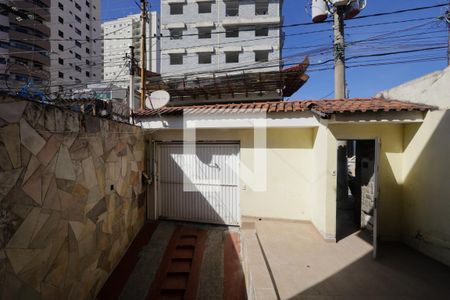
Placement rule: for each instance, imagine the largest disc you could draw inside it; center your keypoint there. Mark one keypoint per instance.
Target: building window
(232, 57)
(60, 47)
(60, 33)
(231, 32)
(21, 61)
(88, 74)
(61, 7)
(78, 44)
(61, 61)
(204, 58)
(88, 39)
(204, 33)
(176, 8)
(60, 20)
(204, 7)
(78, 68)
(88, 16)
(88, 4)
(262, 56)
(88, 51)
(78, 6)
(261, 7)
(5, 28)
(261, 31)
(77, 56)
(60, 74)
(38, 66)
(2, 60)
(176, 59)
(78, 19)
(88, 62)
(77, 31)
(232, 8)
(88, 27)
(176, 34)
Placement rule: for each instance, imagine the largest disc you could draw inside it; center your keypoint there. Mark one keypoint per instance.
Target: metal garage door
(212, 178)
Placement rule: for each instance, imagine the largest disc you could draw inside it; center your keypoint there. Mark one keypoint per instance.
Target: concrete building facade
(24, 45)
(76, 58)
(217, 35)
(122, 33)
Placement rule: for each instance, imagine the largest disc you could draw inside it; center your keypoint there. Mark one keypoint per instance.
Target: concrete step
(258, 280)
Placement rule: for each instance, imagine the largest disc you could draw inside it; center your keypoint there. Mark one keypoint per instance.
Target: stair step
(180, 267)
(175, 282)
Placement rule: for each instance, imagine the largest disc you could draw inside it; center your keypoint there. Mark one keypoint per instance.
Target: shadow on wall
(400, 273)
(426, 188)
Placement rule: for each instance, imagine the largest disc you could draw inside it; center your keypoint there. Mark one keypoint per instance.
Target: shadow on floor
(399, 273)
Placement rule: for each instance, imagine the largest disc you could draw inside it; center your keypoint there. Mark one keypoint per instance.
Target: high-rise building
(76, 39)
(24, 43)
(217, 35)
(119, 35)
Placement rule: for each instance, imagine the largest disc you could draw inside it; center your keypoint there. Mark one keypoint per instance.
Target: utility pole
(339, 53)
(131, 93)
(143, 50)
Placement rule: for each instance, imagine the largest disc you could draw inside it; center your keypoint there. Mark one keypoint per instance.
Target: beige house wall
(425, 181)
(301, 163)
(290, 169)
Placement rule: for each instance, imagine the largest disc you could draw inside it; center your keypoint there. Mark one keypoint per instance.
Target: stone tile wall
(71, 199)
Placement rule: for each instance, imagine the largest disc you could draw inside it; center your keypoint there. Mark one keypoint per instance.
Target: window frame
(230, 30)
(228, 59)
(207, 5)
(178, 36)
(207, 34)
(173, 11)
(232, 8)
(266, 55)
(204, 54)
(173, 61)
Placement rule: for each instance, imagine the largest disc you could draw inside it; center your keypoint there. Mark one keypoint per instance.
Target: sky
(411, 34)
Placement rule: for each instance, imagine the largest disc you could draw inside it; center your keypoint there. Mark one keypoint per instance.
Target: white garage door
(210, 190)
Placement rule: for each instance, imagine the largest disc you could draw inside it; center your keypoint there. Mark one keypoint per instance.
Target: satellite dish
(157, 99)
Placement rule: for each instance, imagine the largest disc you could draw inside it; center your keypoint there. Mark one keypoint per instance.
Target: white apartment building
(122, 33)
(219, 35)
(76, 58)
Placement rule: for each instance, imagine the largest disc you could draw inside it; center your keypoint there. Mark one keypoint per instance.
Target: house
(300, 178)
(287, 158)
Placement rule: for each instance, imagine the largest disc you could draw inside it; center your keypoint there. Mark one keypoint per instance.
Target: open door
(357, 190)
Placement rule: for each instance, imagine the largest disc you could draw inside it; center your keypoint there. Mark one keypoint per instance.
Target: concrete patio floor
(301, 265)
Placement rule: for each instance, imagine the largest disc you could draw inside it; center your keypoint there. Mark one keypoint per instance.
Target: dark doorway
(356, 189)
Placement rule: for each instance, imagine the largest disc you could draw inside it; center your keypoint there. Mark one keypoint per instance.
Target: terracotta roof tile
(358, 105)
